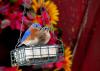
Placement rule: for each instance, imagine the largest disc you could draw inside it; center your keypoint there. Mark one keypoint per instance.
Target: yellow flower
(51, 8)
(17, 69)
(68, 61)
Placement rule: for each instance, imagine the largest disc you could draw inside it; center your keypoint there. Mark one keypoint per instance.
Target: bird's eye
(36, 25)
(45, 28)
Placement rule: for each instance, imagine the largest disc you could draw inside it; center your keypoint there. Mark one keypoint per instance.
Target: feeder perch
(36, 55)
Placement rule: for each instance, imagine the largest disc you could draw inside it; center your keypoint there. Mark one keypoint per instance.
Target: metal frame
(36, 55)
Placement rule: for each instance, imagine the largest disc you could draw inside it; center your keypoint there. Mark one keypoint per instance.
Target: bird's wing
(28, 32)
(26, 35)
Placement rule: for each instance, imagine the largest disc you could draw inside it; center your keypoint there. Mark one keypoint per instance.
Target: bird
(35, 35)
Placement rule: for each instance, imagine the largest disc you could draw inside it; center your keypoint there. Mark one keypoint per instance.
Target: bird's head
(45, 29)
(36, 26)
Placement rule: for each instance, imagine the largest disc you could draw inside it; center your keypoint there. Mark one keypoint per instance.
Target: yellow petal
(34, 7)
(35, 3)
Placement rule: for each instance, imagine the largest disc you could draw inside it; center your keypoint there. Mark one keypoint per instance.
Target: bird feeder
(36, 55)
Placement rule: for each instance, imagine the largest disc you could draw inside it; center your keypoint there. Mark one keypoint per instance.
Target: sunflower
(17, 69)
(68, 61)
(50, 7)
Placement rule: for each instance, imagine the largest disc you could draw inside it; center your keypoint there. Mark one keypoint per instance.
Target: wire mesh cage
(36, 55)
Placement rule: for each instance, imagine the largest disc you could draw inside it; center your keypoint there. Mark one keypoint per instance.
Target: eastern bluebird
(35, 35)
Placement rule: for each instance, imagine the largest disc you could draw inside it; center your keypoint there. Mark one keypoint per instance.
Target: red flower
(10, 69)
(38, 19)
(53, 39)
(59, 65)
(45, 17)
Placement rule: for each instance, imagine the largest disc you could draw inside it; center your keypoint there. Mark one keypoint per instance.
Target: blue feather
(27, 33)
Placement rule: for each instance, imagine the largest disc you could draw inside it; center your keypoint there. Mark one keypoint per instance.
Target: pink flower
(16, 21)
(4, 8)
(59, 65)
(45, 17)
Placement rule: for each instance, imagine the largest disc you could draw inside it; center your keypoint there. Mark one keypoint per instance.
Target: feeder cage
(36, 55)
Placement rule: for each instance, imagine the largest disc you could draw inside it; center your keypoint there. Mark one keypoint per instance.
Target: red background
(87, 57)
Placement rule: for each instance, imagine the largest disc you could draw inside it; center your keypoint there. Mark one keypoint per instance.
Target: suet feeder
(36, 55)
